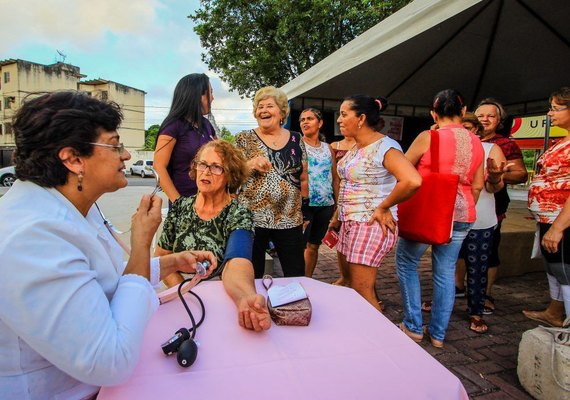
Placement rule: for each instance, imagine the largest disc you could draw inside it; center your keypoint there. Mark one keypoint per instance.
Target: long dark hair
(187, 101)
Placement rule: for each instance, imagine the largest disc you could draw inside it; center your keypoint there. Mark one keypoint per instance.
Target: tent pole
(546, 133)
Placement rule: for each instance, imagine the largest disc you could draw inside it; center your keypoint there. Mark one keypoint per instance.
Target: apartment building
(20, 78)
(131, 101)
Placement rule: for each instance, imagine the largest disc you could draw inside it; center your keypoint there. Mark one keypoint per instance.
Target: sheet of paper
(280, 295)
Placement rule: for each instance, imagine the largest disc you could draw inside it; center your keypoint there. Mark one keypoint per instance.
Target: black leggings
(290, 247)
(557, 264)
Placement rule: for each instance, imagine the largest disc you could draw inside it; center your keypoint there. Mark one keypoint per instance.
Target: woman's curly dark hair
(234, 163)
(47, 123)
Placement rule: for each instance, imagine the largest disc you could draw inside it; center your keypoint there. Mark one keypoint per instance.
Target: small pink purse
(296, 313)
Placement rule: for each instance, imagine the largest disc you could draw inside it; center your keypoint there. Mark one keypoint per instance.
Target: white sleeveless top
(485, 208)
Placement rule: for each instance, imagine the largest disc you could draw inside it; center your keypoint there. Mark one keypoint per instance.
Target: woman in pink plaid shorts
(374, 177)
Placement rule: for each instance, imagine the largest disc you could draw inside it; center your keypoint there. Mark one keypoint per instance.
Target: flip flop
(416, 337)
(540, 316)
(477, 325)
(488, 310)
(381, 305)
(434, 342)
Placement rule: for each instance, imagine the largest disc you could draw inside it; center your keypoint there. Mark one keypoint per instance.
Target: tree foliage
(226, 135)
(251, 44)
(150, 136)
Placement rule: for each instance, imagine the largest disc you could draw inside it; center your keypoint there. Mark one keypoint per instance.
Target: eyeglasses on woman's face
(119, 147)
(557, 109)
(215, 169)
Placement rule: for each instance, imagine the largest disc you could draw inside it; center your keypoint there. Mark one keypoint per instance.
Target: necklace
(273, 140)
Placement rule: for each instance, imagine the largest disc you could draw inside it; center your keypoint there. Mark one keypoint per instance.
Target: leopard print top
(275, 197)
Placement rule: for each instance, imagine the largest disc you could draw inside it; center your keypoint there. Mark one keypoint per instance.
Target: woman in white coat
(72, 313)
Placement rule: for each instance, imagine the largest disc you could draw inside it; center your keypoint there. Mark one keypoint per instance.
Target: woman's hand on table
(253, 313)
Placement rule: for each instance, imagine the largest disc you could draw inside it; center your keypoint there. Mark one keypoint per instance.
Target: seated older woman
(212, 220)
(72, 314)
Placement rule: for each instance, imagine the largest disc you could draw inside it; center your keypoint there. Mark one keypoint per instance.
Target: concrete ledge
(514, 251)
(517, 237)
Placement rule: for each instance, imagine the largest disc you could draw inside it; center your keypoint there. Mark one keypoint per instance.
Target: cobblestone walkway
(486, 364)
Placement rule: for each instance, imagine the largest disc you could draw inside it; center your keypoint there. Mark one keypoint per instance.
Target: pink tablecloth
(349, 351)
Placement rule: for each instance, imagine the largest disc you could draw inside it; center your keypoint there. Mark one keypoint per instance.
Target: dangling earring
(80, 181)
(280, 122)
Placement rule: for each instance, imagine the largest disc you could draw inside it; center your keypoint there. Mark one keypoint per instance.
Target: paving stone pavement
(486, 364)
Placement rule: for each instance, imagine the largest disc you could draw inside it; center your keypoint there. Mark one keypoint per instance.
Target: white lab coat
(69, 321)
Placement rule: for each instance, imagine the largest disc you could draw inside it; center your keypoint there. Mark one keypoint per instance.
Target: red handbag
(427, 217)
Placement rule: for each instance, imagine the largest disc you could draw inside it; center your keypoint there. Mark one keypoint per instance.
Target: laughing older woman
(278, 165)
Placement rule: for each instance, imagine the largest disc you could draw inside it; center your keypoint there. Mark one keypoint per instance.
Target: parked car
(142, 168)
(7, 176)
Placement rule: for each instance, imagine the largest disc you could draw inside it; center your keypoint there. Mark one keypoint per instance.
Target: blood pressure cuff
(240, 245)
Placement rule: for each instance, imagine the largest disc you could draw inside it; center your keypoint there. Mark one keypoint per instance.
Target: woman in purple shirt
(183, 132)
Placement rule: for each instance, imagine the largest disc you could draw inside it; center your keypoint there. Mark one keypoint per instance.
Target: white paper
(280, 295)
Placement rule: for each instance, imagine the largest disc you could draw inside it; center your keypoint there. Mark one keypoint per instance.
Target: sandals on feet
(434, 342)
(489, 308)
(544, 318)
(477, 325)
(416, 337)
(381, 305)
(426, 306)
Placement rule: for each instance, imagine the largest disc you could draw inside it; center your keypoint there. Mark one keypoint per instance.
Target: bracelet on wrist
(494, 183)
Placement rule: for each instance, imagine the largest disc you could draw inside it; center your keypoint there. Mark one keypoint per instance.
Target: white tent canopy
(517, 51)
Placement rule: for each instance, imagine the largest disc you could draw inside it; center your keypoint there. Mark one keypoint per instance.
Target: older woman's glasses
(557, 109)
(215, 169)
(119, 147)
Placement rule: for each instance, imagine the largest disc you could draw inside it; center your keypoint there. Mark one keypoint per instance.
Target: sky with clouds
(145, 44)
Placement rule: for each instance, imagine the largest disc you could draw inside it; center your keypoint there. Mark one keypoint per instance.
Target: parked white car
(142, 168)
(7, 176)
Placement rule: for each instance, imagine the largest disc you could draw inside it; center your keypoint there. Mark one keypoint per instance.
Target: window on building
(6, 77)
(7, 128)
(104, 95)
(8, 101)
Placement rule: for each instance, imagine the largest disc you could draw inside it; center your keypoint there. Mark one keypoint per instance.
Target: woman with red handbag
(462, 155)
(374, 177)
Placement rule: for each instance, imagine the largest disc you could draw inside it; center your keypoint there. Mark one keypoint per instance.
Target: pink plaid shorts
(365, 244)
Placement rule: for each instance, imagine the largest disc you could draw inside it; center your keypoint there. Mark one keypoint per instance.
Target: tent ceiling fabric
(517, 51)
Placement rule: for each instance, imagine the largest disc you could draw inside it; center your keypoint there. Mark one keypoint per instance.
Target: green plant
(529, 159)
